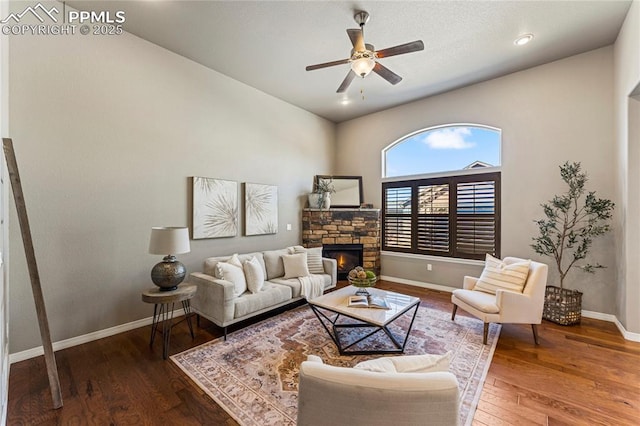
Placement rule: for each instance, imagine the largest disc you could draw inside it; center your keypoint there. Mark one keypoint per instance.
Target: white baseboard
(634, 337)
(85, 338)
(418, 283)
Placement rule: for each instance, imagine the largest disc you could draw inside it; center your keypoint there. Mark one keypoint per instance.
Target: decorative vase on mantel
(320, 201)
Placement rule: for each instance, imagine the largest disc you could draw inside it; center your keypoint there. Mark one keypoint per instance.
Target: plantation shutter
(397, 234)
(476, 224)
(456, 216)
(433, 218)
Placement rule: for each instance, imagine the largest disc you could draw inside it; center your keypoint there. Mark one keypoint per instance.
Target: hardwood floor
(586, 374)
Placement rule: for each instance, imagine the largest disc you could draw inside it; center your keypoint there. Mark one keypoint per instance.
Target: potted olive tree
(572, 220)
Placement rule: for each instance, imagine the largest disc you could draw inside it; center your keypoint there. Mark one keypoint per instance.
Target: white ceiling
(267, 44)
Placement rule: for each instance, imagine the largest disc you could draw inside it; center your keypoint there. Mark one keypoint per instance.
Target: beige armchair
(330, 396)
(505, 306)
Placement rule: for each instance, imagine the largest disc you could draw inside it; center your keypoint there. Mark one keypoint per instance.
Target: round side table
(163, 306)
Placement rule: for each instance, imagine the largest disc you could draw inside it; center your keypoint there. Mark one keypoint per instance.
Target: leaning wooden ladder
(45, 335)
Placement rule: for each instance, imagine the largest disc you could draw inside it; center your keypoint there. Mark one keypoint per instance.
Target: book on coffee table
(368, 302)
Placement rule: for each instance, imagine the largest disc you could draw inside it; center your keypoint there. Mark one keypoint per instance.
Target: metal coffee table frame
(337, 312)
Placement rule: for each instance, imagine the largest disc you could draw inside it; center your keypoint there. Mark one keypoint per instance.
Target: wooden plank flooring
(579, 375)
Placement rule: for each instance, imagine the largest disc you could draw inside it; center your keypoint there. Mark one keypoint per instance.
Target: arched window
(443, 149)
(454, 212)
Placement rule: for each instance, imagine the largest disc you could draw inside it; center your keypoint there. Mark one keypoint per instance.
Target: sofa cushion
(271, 294)
(294, 283)
(295, 265)
(211, 262)
(273, 263)
(499, 275)
(233, 272)
(480, 300)
(314, 258)
(254, 274)
(248, 256)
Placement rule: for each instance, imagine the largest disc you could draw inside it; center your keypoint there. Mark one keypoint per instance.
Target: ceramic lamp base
(168, 273)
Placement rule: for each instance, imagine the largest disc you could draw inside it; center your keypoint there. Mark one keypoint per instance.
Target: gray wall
(107, 132)
(627, 138)
(549, 114)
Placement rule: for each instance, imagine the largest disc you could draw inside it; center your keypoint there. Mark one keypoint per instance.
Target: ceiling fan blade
(346, 82)
(327, 64)
(357, 39)
(413, 46)
(386, 73)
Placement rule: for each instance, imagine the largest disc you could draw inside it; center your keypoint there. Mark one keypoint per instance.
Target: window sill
(433, 258)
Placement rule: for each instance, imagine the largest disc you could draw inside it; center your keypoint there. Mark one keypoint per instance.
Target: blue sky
(443, 149)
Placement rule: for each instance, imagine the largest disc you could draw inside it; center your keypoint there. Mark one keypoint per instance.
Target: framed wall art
(260, 209)
(215, 208)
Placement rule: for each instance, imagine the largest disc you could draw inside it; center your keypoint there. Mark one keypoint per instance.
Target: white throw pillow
(499, 275)
(426, 363)
(232, 271)
(314, 258)
(295, 265)
(233, 260)
(254, 274)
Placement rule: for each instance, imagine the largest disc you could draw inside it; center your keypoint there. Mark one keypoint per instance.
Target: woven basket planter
(562, 306)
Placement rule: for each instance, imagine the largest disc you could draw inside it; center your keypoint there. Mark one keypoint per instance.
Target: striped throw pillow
(499, 275)
(314, 258)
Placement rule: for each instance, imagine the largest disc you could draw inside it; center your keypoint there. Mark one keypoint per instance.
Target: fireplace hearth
(348, 256)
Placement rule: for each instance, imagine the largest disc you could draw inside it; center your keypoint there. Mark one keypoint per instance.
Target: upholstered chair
(491, 300)
(330, 396)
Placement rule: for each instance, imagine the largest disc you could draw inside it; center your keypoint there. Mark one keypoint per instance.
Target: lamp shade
(170, 240)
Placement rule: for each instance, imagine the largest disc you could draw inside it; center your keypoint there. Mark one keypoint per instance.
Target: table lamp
(169, 241)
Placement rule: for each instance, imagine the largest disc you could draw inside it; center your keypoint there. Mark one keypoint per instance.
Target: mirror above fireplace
(348, 190)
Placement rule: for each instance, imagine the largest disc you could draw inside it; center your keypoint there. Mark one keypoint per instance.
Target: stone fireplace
(342, 232)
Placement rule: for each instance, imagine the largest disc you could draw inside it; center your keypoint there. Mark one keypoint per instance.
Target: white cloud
(449, 138)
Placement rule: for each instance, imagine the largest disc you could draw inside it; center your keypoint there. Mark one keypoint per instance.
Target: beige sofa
(216, 300)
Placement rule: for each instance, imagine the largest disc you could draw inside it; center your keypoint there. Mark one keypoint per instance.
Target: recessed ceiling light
(523, 39)
(345, 101)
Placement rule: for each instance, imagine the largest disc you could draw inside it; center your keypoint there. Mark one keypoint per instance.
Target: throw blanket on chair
(311, 286)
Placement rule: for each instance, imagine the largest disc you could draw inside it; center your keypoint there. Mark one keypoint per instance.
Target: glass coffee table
(351, 328)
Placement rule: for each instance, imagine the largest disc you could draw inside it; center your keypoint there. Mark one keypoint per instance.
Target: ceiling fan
(364, 57)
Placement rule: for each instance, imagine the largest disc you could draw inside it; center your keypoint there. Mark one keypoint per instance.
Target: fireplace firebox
(348, 256)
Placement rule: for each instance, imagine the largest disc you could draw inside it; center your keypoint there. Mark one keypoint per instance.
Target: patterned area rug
(254, 374)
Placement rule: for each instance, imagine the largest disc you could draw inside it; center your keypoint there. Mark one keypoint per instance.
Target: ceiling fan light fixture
(363, 66)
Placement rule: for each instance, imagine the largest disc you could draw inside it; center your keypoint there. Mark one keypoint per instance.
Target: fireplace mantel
(344, 226)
